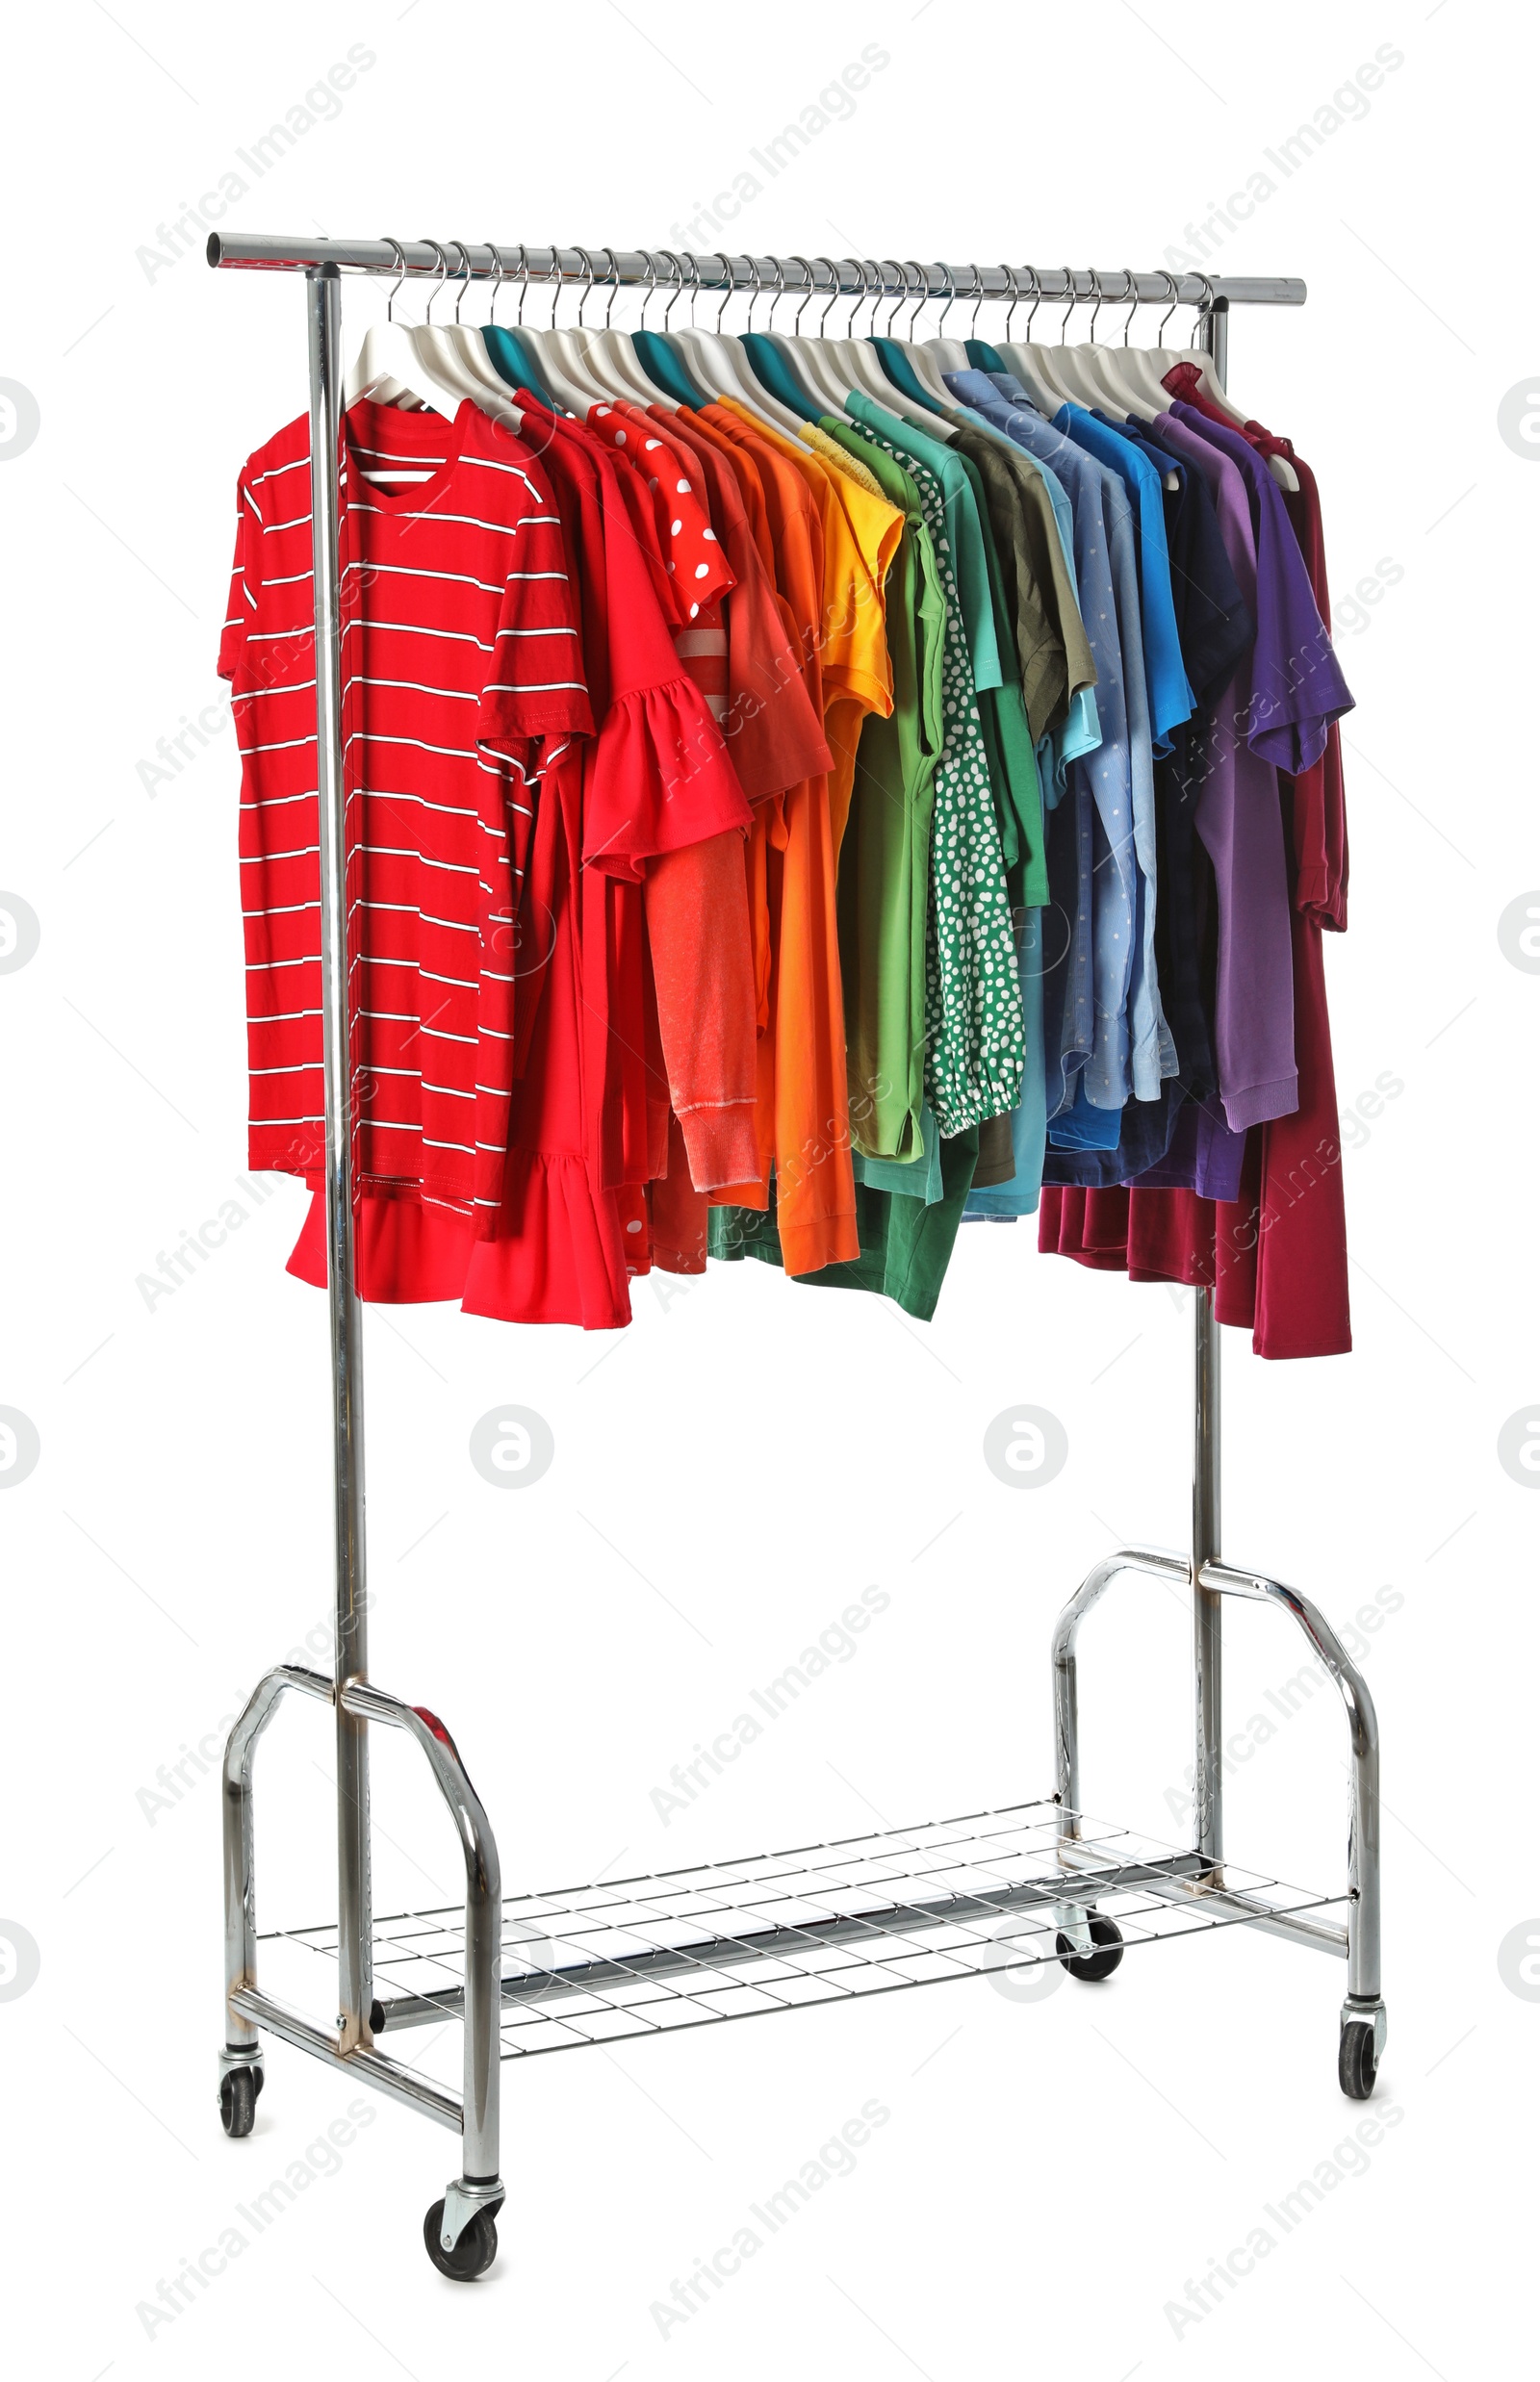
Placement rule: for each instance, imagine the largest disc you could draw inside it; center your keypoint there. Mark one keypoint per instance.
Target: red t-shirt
(461, 678)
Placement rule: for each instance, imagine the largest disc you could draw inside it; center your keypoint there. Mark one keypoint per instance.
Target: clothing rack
(643, 1955)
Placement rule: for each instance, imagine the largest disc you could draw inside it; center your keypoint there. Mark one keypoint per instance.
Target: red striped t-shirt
(462, 678)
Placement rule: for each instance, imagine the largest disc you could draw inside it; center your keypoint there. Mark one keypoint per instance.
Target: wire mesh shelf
(652, 1954)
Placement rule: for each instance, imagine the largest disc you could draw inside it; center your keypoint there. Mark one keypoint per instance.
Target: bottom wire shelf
(878, 1913)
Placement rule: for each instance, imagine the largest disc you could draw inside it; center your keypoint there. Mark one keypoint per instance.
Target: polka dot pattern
(975, 1040)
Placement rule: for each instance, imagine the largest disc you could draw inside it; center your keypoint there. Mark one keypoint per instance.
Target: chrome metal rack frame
(826, 1922)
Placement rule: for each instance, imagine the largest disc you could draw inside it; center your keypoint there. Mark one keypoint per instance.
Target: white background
(1052, 2173)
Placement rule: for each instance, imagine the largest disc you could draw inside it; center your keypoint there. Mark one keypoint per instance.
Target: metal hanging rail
(484, 260)
(912, 1906)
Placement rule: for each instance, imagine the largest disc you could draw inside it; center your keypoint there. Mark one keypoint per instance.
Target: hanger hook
(924, 273)
(1207, 305)
(879, 291)
(444, 275)
(900, 294)
(730, 286)
(677, 290)
(1010, 273)
(858, 294)
(1131, 292)
(696, 283)
(951, 293)
(1037, 297)
(796, 326)
(557, 284)
(401, 260)
(464, 277)
(588, 283)
(523, 278)
(777, 295)
(497, 280)
(646, 293)
(1096, 283)
(977, 295)
(1173, 287)
(1075, 300)
(833, 276)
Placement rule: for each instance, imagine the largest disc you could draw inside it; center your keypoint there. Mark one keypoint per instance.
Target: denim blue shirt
(1171, 698)
(1103, 983)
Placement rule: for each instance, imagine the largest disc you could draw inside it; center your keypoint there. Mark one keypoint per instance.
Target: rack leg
(1208, 1771)
(355, 1989)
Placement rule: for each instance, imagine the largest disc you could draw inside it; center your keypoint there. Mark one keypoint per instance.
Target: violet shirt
(1298, 688)
(1239, 818)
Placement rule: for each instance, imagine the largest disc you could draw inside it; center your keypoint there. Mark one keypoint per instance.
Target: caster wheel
(472, 2253)
(1357, 2061)
(1093, 1966)
(238, 2101)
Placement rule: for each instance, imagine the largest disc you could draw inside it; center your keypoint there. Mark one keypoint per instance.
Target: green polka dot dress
(975, 1042)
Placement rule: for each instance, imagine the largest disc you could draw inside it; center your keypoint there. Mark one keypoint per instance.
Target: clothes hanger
(465, 352)
(608, 353)
(388, 367)
(950, 354)
(709, 355)
(809, 355)
(773, 359)
(786, 413)
(921, 364)
(1066, 365)
(1283, 472)
(436, 348)
(1098, 366)
(851, 360)
(982, 357)
(507, 350)
(1042, 362)
(905, 375)
(1020, 357)
(559, 356)
(660, 354)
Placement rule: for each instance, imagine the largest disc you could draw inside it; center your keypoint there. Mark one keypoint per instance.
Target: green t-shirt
(884, 885)
(975, 1044)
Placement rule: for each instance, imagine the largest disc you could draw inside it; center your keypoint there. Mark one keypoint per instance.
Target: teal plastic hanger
(901, 372)
(982, 357)
(513, 363)
(662, 361)
(771, 368)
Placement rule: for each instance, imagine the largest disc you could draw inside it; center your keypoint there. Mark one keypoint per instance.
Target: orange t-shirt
(803, 1115)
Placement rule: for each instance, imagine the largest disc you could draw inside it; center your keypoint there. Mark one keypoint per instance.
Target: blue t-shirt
(1102, 1004)
(1171, 698)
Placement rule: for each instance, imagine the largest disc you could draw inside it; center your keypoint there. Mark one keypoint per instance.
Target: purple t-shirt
(1239, 818)
(1298, 688)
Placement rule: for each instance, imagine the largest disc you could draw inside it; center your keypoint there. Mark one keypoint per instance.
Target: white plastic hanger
(810, 357)
(767, 403)
(609, 353)
(951, 355)
(1073, 368)
(921, 362)
(719, 364)
(851, 362)
(559, 357)
(458, 354)
(387, 366)
(798, 353)
(1282, 469)
(1024, 360)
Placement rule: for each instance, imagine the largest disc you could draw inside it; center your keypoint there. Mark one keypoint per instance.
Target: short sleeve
(535, 687)
(696, 567)
(241, 606)
(1298, 688)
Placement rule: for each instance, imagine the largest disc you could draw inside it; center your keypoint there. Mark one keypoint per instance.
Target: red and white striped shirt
(462, 679)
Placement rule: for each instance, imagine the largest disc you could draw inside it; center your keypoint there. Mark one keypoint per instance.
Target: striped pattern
(462, 682)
